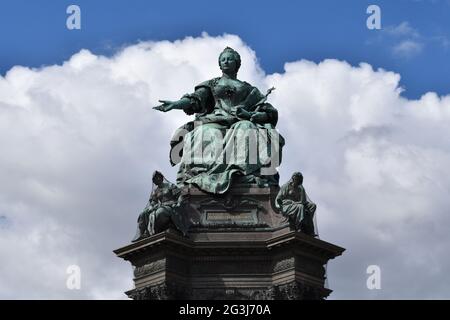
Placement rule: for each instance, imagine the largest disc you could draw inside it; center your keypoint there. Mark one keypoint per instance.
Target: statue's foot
(142, 236)
(138, 238)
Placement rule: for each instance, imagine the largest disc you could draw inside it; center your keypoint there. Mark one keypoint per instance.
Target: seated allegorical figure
(294, 203)
(163, 210)
(233, 137)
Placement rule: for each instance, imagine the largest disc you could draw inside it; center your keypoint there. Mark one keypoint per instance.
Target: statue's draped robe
(220, 147)
(294, 203)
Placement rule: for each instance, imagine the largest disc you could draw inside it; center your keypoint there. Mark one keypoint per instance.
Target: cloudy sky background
(79, 143)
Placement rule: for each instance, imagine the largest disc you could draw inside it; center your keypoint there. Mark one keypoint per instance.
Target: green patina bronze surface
(164, 209)
(228, 108)
(214, 152)
(294, 203)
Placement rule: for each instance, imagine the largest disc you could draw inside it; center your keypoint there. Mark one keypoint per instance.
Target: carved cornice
(289, 291)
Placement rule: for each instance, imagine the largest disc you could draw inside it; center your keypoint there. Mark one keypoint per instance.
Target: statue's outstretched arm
(167, 105)
(196, 102)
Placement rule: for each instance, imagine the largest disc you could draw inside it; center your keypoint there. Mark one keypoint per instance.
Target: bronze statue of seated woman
(232, 118)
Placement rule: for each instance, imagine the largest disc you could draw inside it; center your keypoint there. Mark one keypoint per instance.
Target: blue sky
(35, 34)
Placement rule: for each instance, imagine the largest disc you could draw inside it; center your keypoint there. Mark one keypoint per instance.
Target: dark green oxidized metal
(228, 114)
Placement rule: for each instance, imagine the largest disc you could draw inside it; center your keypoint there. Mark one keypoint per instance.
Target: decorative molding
(298, 291)
(230, 202)
(150, 267)
(289, 291)
(284, 264)
(160, 292)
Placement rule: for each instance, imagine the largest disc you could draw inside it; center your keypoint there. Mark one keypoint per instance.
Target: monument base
(238, 248)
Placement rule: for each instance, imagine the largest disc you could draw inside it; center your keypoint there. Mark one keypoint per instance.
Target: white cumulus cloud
(407, 48)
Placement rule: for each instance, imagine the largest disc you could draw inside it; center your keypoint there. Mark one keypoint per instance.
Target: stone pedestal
(238, 248)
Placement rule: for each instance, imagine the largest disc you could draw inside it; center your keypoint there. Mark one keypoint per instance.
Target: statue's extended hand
(242, 113)
(165, 106)
(258, 117)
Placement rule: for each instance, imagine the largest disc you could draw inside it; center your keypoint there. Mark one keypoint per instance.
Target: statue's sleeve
(280, 197)
(201, 100)
(253, 98)
(151, 201)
